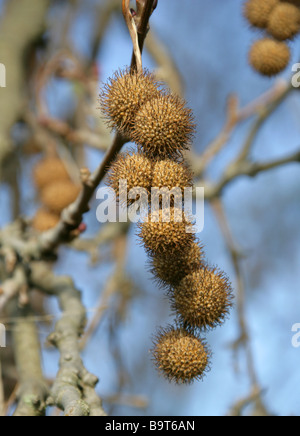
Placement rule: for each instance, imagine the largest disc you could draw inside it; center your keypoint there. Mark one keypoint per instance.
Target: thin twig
(133, 33)
(263, 106)
(247, 168)
(263, 116)
(243, 339)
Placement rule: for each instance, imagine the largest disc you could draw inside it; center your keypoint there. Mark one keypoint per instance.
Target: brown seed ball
(166, 231)
(163, 127)
(49, 170)
(170, 270)
(44, 220)
(136, 169)
(57, 196)
(203, 299)
(170, 174)
(269, 57)
(258, 12)
(124, 94)
(180, 356)
(284, 21)
(170, 178)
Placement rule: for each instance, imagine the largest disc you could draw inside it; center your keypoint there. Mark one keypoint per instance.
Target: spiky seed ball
(180, 356)
(44, 220)
(269, 57)
(170, 174)
(166, 231)
(163, 127)
(284, 21)
(124, 94)
(136, 169)
(49, 170)
(258, 12)
(59, 195)
(203, 298)
(170, 270)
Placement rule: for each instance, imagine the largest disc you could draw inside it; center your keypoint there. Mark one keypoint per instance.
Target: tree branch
(247, 168)
(73, 389)
(73, 215)
(17, 15)
(33, 391)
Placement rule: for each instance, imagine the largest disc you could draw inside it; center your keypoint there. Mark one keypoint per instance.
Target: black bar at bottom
(140, 424)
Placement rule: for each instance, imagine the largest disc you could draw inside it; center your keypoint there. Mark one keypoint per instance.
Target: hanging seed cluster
(55, 189)
(162, 127)
(280, 21)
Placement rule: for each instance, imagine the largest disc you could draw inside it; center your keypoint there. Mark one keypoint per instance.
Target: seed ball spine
(169, 270)
(203, 298)
(163, 127)
(134, 168)
(181, 356)
(171, 174)
(124, 94)
(166, 231)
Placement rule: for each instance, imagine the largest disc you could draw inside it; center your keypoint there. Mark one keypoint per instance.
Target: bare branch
(247, 168)
(73, 389)
(243, 339)
(12, 287)
(32, 391)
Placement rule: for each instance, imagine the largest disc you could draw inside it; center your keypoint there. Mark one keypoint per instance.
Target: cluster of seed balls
(162, 127)
(55, 190)
(280, 20)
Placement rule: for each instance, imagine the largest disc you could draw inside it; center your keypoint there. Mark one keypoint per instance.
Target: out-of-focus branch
(16, 285)
(238, 408)
(243, 339)
(108, 233)
(247, 168)
(20, 24)
(105, 13)
(33, 391)
(265, 112)
(263, 107)
(114, 284)
(80, 137)
(243, 164)
(73, 389)
(167, 70)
